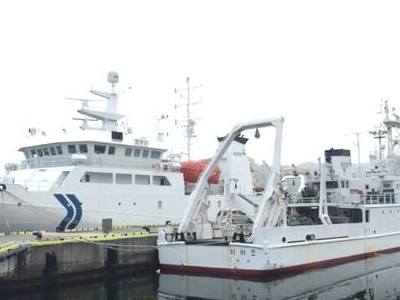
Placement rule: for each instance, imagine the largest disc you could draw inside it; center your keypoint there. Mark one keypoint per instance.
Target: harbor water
(373, 278)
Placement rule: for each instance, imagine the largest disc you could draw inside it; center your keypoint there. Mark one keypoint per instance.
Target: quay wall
(41, 264)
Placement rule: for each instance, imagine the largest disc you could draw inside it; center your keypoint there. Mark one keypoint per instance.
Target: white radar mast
(109, 117)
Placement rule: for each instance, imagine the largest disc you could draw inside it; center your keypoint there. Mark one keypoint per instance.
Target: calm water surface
(375, 278)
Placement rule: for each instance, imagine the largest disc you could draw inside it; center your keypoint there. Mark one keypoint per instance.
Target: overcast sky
(323, 65)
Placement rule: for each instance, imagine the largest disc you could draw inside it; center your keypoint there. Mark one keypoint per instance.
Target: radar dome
(112, 77)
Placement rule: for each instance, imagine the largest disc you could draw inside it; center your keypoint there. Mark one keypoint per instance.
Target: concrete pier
(28, 262)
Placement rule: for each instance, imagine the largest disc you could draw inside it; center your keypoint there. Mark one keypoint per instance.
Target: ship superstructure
(327, 217)
(103, 171)
(77, 178)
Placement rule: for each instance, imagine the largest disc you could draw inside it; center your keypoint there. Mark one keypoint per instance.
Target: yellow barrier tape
(9, 246)
(85, 229)
(93, 237)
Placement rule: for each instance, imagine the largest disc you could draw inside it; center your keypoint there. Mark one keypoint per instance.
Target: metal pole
(188, 132)
(358, 149)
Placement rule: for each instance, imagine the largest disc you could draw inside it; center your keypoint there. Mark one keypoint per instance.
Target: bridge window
(145, 153)
(86, 178)
(136, 153)
(46, 151)
(161, 180)
(33, 153)
(97, 177)
(99, 149)
(111, 150)
(332, 185)
(155, 154)
(123, 178)
(40, 152)
(128, 152)
(142, 179)
(53, 151)
(83, 148)
(59, 150)
(71, 149)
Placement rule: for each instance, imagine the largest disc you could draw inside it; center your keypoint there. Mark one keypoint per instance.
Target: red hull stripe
(227, 272)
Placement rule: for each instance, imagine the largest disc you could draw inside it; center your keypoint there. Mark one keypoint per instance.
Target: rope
(111, 245)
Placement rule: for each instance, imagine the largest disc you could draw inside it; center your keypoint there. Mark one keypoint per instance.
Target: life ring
(157, 167)
(3, 187)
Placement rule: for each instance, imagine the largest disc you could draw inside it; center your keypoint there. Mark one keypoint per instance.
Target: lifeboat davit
(192, 170)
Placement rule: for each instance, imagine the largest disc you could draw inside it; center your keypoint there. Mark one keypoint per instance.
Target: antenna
(189, 121)
(159, 132)
(357, 134)
(379, 134)
(390, 125)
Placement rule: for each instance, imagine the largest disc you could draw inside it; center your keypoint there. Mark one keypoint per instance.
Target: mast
(358, 152)
(390, 124)
(358, 145)
(379, 134)
(189, 122)
(109, 117)
(189, 131)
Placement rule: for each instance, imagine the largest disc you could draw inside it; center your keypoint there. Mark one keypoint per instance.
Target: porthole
(310, 237)
(283, 240)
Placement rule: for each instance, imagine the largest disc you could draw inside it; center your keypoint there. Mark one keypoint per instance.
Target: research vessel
(77, 178)
(333, 215)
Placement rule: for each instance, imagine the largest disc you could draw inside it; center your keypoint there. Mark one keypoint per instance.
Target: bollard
(106, 225)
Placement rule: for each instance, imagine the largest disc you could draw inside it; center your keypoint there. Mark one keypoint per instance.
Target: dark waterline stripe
(228, 272)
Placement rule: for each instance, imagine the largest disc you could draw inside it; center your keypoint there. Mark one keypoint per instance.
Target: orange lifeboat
(192, 170)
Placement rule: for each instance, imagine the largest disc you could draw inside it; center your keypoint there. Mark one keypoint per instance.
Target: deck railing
(372, 198)
(70, 160)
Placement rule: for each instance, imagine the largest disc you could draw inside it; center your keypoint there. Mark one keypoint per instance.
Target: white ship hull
(21, 209)
(24, 210)
(375, 278)
(333, 244)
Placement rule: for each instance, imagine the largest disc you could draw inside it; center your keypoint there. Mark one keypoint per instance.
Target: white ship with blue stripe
(77, 179)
